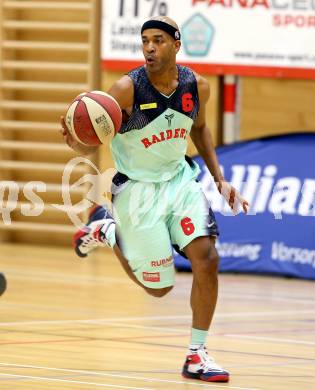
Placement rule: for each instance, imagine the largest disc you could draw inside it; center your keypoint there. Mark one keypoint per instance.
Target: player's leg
(101, 230)
(204, 262)
(156, 292)
(3, 283)
(143, 242)
(193, 229)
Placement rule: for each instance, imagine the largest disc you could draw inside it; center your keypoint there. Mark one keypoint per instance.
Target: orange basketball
(93, 118)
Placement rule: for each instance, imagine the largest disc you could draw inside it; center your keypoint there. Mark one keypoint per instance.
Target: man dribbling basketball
(157, 201)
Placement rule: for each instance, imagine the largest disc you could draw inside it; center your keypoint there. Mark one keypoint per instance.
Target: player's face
(159, 50)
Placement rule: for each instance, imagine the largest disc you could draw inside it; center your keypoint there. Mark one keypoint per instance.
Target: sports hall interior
(72, 324)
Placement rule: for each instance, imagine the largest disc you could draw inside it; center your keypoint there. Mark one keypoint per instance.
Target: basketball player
(3, 284)
(157, 202)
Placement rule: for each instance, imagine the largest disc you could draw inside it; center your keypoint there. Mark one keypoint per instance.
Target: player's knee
(159, 292)
(212, 262)
(208, 264)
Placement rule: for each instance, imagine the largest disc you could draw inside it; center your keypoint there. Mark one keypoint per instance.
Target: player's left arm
(202, 139)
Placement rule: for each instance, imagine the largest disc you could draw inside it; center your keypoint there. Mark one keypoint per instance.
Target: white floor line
(121, 376)
(264, 313)
(85, 279)
(75, 280)
(100, 321)
(255, 297)
(42, 378)
(272, 364)
(155, 328)
(273, 339)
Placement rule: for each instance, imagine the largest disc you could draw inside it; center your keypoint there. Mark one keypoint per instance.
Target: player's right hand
(66, 134)
(73, 143)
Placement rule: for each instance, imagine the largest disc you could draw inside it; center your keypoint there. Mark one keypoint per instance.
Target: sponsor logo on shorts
(151, 276)
(163, 262)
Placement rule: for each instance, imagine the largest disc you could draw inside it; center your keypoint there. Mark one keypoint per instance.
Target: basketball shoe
(97, 232)
(199, 365)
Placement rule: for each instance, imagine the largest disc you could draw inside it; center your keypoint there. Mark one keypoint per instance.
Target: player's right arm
(122, 91)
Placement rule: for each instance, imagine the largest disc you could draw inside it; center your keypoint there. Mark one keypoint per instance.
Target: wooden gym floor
(72, 324)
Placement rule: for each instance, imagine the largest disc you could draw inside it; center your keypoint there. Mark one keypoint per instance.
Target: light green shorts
(153, 217)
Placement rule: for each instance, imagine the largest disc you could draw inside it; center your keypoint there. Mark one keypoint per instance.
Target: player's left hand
(233, 197)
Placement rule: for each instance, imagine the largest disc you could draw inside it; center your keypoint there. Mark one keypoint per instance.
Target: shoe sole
(214, 378)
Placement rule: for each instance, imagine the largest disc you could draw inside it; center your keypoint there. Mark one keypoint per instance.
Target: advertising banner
(273, 38)
(277, 177)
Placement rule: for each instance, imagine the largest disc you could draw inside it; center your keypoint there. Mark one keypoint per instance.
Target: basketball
(93, 118)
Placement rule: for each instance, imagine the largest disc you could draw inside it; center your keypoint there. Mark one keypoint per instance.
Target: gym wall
(267, 106)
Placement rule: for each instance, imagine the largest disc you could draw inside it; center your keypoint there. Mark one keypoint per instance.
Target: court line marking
(155, 328)
(77, 382)
(272, 364)
(100, 321)
(78, 340)
(78, 278)
(279, 340)
(96, 373)
(61, 277)
(266, 331)
(255, 297)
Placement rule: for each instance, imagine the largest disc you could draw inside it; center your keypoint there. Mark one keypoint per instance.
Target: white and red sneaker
(95, 232)
(199, 365)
